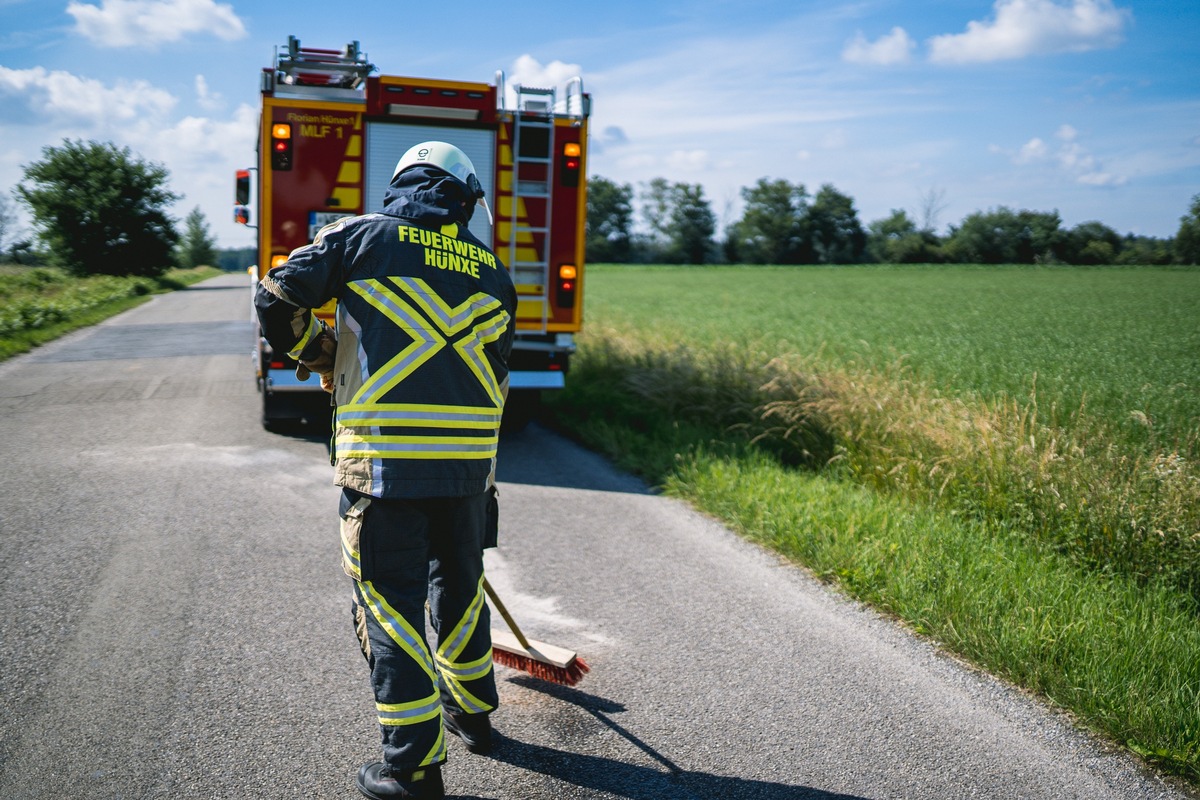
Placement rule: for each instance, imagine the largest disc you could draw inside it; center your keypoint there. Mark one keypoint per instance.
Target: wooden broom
(541, 660)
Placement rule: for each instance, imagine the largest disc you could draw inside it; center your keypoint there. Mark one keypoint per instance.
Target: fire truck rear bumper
(282, 380)
(535, 380)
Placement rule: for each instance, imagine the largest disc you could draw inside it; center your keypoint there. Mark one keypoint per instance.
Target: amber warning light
(572, 157)
(566, 285)
(281, 146)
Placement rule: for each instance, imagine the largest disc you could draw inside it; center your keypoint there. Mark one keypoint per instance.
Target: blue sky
(1090, 107)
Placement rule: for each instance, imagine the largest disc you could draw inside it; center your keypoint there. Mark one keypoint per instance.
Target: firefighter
(417, 366)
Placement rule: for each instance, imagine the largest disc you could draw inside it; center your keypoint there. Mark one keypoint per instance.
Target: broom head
(541, 660)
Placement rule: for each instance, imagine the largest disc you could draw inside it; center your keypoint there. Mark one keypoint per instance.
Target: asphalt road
(176, 624)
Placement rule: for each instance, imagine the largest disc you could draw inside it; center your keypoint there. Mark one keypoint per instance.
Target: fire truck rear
(330, 135)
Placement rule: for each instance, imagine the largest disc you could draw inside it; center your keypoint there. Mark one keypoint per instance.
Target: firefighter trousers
(409, 553)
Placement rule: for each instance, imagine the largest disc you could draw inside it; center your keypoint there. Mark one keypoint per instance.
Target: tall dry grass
(1072, 484)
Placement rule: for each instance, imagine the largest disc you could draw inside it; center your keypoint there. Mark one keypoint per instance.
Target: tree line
(781, 223)
(98, 209)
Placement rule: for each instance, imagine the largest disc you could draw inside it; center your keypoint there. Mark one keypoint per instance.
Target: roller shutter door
(387, 141)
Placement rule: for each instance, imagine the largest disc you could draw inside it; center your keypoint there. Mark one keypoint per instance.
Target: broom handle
(491, 593)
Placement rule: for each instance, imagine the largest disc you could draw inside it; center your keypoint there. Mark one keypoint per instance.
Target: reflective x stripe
(397, 628)
(453, 673)
(431, 323)
(453, 646)
(425, 342)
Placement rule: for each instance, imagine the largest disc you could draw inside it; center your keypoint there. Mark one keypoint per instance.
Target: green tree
(774, 225)
(1187, 239)
(99, 210)
(693, 224)
(1145, 251)
(897, 240)
(1004, 236)
(1091, 243)
(681, 221)
(838, 236)
(196, 248)
(609, 220)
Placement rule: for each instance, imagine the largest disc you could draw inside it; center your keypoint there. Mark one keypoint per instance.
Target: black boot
(474, 729)
(378, 781)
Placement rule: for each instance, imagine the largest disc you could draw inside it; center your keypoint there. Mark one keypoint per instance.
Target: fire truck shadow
(537, 456)
(665, 779)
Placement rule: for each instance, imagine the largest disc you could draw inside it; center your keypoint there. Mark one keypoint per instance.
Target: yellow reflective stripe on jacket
(410, 713)
(348, 445)
(471, 350)
(450, 320)
(476, 311)
(424, 345)
(398, 629)
(364, 415)
(314, 327)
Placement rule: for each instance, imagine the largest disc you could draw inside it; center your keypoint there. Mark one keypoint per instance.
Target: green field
(1003, 457)
(1115, 340)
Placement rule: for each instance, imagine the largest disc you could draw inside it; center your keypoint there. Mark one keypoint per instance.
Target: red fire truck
(330, 135)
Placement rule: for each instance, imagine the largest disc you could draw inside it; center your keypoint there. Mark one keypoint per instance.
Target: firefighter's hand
(303, 372)
(322, 360)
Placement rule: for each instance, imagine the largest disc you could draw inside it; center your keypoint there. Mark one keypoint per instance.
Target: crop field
(1121, 343)
(1005, 458)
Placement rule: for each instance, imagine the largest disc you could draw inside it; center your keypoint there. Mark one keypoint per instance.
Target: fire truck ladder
(533, 171)
(346, 69)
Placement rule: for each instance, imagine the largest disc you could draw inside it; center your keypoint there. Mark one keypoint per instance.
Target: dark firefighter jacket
(424, 331)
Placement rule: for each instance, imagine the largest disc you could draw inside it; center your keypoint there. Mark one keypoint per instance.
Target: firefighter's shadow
(664, 779)
(537, 456)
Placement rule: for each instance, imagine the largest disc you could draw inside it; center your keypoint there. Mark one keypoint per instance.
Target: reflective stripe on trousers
(412, 551)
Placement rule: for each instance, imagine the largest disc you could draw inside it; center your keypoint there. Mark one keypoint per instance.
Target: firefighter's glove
(319, 357)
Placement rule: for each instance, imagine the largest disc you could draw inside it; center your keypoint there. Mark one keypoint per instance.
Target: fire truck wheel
(520, 409)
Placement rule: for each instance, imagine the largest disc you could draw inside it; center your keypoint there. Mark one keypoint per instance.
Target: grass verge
(41, 303)
(1037, 552)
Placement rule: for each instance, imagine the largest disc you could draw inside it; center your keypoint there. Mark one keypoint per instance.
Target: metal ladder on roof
(533, 180)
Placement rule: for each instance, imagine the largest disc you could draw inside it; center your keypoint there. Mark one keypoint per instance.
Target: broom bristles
(569, 675)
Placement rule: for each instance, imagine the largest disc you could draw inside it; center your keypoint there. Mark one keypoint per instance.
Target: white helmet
(447, 158)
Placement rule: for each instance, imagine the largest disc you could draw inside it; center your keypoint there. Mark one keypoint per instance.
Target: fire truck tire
(520, 409)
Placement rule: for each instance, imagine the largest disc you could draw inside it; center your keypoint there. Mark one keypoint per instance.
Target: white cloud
(894, 48)
(148, 23)
(1033, 150)
(689, 160)
(528, 71)
(1071, 158)
(208, 99)
(1033, 27)
(62, 96)
(42, 108)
